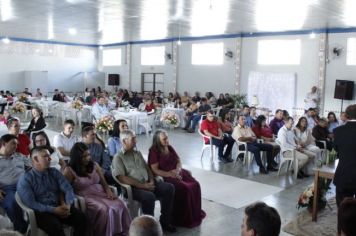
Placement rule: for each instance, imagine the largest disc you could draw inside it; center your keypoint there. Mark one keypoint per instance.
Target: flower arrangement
(19, 107)
(170, 119)
(306, 198)
(78, 105)
(104, 124)
(22, 98)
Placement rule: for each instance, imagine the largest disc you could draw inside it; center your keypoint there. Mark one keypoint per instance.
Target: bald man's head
(145, 226)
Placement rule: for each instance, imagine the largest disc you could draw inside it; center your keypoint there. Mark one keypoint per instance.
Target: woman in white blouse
(304, 138)
(41, 139)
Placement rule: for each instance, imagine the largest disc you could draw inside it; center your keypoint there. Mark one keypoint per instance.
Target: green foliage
(239, 100)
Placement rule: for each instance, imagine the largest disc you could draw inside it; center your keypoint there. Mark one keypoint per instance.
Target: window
(152, 56)
(208, 54)
(279, 52)
(112, 57)
(351, 51)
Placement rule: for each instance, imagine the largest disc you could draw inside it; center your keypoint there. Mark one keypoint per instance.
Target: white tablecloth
(135, 118)
(179, 111)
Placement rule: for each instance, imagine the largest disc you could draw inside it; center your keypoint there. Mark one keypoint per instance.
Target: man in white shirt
(286, 140)
(312, 99)
(66, 139)
(99, 109)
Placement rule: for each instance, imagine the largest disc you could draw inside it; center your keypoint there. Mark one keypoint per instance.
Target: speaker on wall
(114, 79)
(344, 89)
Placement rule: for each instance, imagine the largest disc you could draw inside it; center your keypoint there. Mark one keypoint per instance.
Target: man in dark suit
(345, 145)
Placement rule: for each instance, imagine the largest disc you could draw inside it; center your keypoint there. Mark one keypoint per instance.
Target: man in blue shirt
(246, 114)
(50, 195)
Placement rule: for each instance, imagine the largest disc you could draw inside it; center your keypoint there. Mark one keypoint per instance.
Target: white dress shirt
(100, 111)
(286, 139)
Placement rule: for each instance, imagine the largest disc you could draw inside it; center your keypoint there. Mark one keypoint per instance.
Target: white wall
(63, 63)
(221, 78)
(216, 79)
(338, 70)
(307, 71)
(137, 68)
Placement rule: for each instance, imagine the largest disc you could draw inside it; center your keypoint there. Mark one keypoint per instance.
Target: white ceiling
(114, 21)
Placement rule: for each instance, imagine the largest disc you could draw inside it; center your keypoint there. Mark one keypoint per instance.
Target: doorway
(152, 82)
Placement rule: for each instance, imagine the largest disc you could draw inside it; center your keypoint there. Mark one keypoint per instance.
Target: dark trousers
(256, 148)
(13, 211)
(164, 192)
(329, 145)
(220, 143)
(53, 224)
(342, 193)
(110, 180)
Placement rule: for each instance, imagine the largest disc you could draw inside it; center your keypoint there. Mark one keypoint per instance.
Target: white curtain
(273, 90)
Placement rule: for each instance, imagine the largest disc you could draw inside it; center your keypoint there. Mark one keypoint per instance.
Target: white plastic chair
(290, 160)
(206, 145)
(145, 124)
(324, 150)
(33, 229)
(133, 206)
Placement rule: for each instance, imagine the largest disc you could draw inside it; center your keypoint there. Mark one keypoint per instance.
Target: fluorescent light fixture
(6, 10)
(271, 15)
(50, 27)
(72, 31)
(154, 15)
(209, 17)
(6, 40)
(312, 35)
(50, 50)
(179, 42)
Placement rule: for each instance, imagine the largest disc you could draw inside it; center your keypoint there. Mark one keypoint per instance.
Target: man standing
(130, 168)
(12, 165)
(277, 121)
(286, 140)
(50, 195)
(345, 145)
(243, 133)
(210, 127)
(66, 139)
(312, 99)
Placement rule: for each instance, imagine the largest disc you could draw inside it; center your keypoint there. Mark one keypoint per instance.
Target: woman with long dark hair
(262, 131)
(332, 122)
(304, 139)
(106, 213)
(114, 143)
(37, 121)
(41, 139)
(165, 162)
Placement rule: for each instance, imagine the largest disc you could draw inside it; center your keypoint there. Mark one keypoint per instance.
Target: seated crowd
(48, 178)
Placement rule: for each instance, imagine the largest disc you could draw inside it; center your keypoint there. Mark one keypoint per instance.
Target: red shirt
(264, 131)
(150, 107)
(211, 126)
(23, 144)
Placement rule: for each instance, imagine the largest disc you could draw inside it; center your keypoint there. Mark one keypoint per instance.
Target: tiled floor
(221, 219)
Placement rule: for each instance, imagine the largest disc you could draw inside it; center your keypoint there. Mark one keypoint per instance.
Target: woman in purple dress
(106, 213)
(164, 162)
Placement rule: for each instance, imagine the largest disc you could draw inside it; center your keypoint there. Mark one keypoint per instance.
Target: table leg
(315, 200)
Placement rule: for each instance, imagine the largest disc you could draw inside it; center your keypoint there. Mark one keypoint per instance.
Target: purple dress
(187, 210)
(106, 217)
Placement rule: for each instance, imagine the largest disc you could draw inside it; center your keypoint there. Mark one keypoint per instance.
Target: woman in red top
(262, 131)
(225, 123)
(149, 107)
